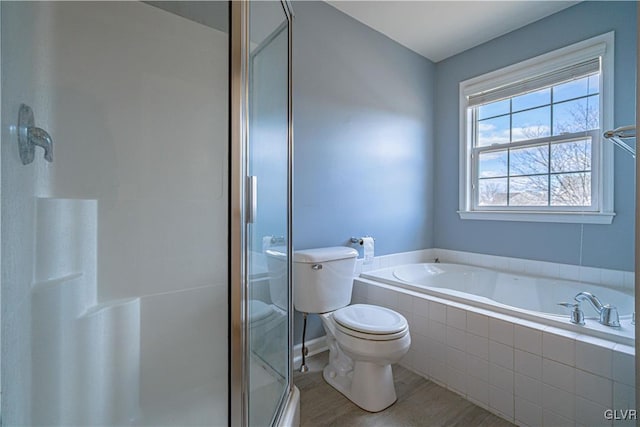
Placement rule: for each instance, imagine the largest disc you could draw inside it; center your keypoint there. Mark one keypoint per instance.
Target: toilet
(268, 318)
(364, 340)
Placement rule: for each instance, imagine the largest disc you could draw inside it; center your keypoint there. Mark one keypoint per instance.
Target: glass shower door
(268, 230)
(114, 243)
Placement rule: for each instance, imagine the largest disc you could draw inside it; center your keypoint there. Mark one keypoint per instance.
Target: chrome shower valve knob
(29, 136)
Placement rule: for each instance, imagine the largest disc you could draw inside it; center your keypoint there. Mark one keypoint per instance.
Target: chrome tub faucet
(608, 313)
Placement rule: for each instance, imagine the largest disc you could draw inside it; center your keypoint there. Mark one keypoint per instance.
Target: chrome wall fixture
(358, 240)
(617, 136)
(29, 136)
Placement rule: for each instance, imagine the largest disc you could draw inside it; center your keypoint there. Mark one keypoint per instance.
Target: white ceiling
(440, 29)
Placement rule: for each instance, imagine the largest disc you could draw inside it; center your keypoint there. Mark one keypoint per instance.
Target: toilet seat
(370, 322)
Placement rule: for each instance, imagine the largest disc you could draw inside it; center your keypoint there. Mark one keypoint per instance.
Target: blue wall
(607, 246)
(363, 135)
(363, 119)
(367, 160)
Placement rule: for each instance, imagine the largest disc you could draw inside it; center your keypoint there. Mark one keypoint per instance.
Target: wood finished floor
(420, 403)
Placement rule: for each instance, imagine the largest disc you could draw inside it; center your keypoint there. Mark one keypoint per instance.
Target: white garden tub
(529, 297)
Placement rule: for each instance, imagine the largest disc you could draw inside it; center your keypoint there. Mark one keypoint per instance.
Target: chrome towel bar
(618, 134)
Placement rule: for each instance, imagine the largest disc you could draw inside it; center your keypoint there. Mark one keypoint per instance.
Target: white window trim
(602, 46)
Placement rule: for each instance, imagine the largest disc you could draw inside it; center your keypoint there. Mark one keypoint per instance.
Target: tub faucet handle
(577, 316)
(609, 316)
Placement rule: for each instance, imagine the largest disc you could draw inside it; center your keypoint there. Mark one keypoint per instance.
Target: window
(531, 138)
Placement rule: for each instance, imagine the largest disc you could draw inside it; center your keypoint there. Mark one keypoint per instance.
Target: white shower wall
(136, 101)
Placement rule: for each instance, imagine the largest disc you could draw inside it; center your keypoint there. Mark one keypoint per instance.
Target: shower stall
(145, 217)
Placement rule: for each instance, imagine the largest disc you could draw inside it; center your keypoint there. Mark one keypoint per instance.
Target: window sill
(560, 217)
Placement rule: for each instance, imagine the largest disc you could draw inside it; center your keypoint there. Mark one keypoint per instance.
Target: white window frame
(602, 165)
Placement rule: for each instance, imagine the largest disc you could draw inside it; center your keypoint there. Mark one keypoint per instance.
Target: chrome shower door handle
(252, 199)
(29, 136)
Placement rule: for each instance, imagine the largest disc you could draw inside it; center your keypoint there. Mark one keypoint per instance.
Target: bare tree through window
(551, 173)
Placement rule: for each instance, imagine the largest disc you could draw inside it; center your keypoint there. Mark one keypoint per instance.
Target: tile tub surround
(526, 372)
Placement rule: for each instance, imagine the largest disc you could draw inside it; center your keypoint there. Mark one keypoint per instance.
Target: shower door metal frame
(238, 168)
(637, 222)
(238, 59)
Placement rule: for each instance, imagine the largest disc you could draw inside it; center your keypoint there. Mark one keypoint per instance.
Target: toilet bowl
(359, 360)
(264, 318)
(363, 340)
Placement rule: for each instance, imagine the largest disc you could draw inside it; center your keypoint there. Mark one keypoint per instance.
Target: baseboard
(315, 346)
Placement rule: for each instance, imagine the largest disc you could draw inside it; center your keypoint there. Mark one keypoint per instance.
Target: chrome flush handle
(29, 136)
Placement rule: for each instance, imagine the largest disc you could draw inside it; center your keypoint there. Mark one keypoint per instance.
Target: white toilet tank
(323, 278)
(278, 271)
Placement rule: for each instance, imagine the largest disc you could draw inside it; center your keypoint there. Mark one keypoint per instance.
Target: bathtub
(500, 340)
(528, 297)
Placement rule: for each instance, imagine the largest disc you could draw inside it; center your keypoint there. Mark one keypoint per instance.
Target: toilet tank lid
(333, 253)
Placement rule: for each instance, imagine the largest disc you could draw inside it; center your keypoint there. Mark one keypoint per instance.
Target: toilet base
(368, 385)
